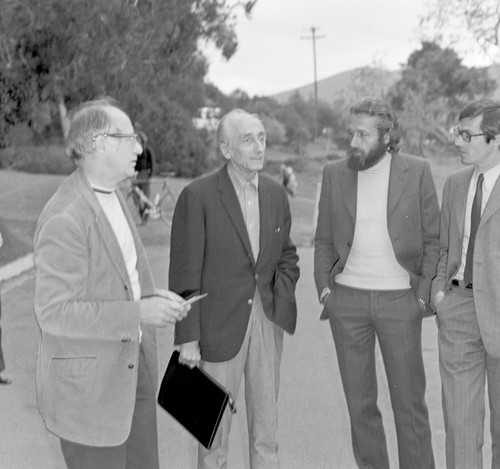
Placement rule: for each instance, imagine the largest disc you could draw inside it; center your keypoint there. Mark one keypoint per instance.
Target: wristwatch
(423, 304)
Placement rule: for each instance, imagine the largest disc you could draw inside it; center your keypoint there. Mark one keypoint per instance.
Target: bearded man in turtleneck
(376, 252)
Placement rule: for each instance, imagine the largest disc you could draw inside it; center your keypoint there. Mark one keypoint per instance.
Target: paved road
(314, 426)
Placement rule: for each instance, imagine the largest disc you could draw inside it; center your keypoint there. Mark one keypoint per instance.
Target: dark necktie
(475, 217)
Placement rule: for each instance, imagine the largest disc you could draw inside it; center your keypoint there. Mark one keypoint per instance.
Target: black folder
(194, 399)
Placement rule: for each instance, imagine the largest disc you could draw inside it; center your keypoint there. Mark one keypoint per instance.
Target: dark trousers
(357, 317)
(139, 451)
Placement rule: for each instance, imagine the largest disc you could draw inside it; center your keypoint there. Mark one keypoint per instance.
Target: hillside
(331, 87)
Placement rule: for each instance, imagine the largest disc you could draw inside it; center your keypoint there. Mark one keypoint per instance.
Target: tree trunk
(63, 115)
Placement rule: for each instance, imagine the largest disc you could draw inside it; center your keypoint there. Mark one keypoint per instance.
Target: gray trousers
(357, 317)
(464, 364)
(259, 362)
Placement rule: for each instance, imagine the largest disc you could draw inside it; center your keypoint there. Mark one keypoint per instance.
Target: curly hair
(387, 120)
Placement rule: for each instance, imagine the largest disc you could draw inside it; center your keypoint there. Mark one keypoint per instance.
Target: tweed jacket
(412, 221)
(87, 363)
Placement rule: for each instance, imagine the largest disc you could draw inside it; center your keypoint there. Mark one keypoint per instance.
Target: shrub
(176, 144)
(43, 159)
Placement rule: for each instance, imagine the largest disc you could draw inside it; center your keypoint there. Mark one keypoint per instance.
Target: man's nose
(354, 141)
(261, 146)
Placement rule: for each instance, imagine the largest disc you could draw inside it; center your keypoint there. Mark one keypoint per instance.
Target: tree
(275, 131)
(66, 51)
(434, 86)
(448, 20)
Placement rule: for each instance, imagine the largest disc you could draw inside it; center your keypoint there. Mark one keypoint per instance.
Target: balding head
(86, 121)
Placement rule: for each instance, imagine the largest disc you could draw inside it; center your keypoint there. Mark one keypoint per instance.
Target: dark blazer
(88, 354)
(211, 253)
(412, 218)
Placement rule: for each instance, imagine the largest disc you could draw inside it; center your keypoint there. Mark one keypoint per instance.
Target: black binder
(194, 399)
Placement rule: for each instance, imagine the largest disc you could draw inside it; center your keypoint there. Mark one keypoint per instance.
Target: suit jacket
(412, 219)
(86, 373)
(486, 266)
(211, 253)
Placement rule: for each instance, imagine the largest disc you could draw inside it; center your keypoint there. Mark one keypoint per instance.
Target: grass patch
(42, 159)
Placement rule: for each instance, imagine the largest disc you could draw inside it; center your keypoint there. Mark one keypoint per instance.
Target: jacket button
(131, 365)
(125, 287)
(250, 301)
(349, 243)
(126, 339)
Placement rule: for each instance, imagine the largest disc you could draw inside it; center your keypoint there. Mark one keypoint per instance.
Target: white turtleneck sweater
(372, 264)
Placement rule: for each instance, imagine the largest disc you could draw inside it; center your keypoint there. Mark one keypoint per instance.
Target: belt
(460, 283)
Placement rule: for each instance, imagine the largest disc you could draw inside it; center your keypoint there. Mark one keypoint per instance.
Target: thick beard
(358, 160)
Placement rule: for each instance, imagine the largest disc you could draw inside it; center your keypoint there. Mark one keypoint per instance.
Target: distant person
(96, 305)
(466, 290)
(144, 168)
(376, 250)
(231, 239)
(3, 379)
(288, 179)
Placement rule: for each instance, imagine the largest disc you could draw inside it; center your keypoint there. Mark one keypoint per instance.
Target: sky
(275, 55)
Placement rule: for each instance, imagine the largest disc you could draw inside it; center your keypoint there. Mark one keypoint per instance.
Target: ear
(387, 138)
(97, 144)
(224, 149)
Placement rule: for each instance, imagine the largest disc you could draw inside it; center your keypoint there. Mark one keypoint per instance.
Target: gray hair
(87, 120)
(223, 135)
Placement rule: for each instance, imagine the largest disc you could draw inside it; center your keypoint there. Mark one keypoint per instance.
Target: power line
(314, 37)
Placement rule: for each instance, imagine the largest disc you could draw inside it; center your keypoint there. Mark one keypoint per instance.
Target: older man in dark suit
(375, 256)
(96, 304)
(231, 239)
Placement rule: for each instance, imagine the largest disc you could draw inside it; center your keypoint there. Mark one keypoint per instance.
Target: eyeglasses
(131, 138)
(465, 134)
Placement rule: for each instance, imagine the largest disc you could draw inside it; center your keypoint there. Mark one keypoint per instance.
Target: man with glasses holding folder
(466, 290)
(96, 304)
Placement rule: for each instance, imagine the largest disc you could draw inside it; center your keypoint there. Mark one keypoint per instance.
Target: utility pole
(314, 37)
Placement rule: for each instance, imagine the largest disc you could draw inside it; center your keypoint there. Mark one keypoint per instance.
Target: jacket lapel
(104, 229)
(398, 180)
(143, 268)
(231, 204)
(460, 198)
(265, 207)
(349, 189)
(493, 203)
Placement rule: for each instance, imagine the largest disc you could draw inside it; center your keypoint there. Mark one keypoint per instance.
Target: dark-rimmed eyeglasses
(464, 134)
(131, 138)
